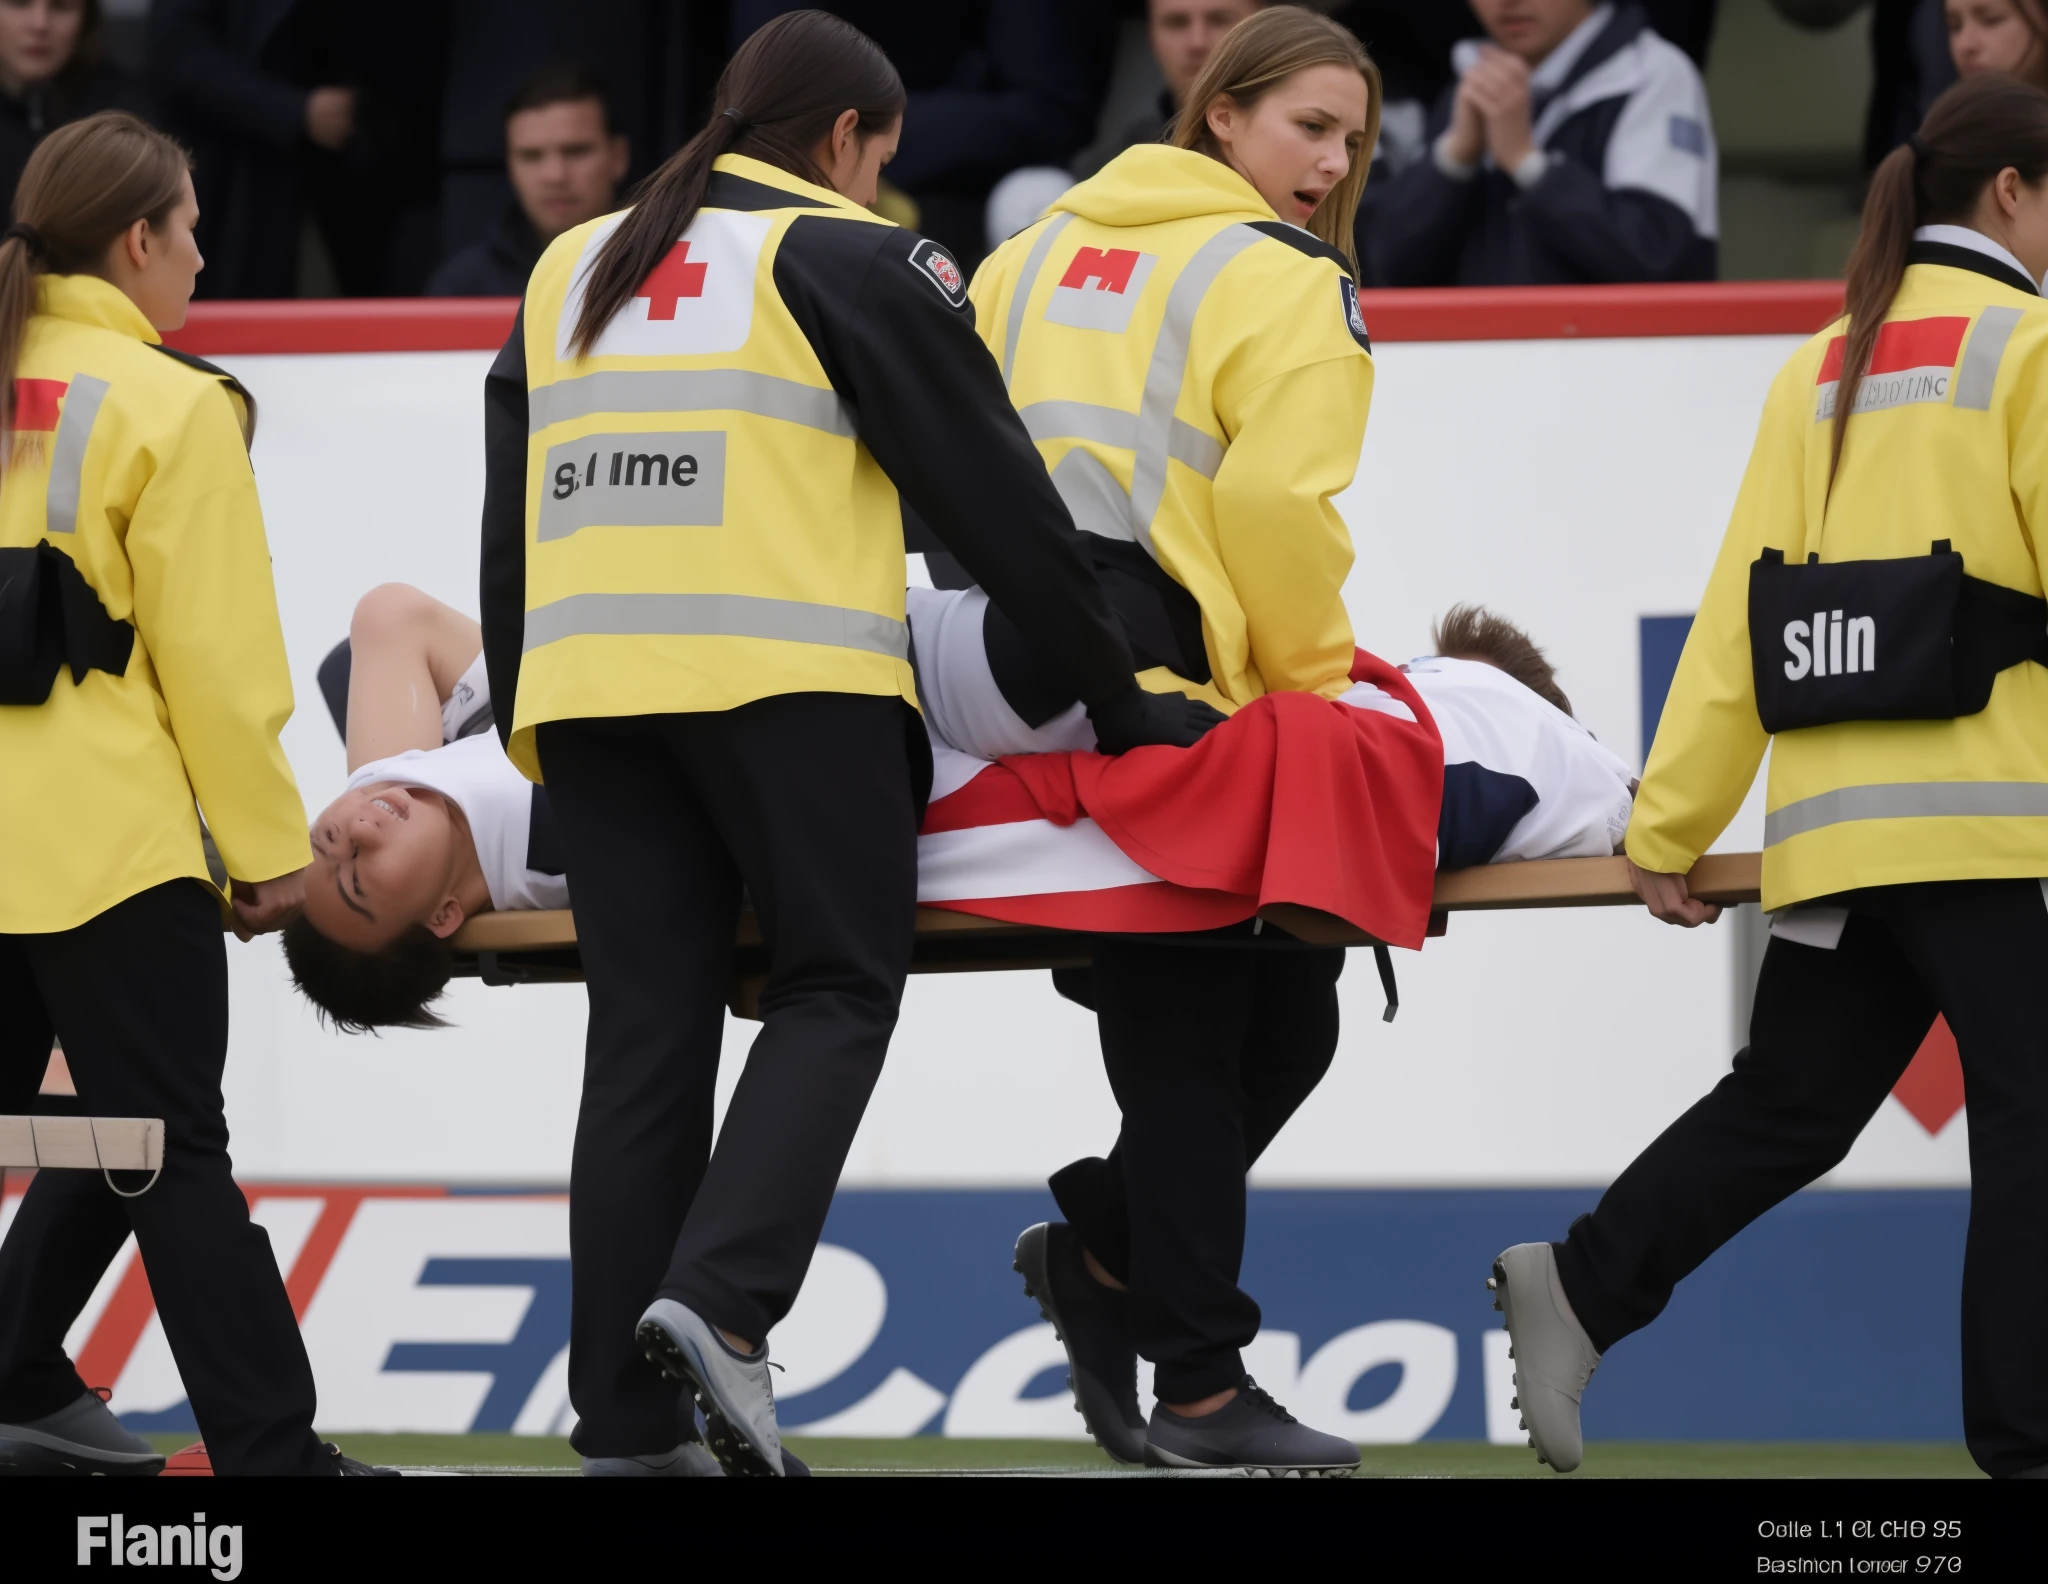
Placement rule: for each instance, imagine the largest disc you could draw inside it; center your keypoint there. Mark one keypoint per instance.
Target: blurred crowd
(371, 148)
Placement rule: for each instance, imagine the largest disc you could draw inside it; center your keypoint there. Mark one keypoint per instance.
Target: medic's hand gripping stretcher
(540, 947)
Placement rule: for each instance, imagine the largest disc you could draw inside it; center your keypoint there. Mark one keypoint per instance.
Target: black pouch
(50, 618)
(1914, 638)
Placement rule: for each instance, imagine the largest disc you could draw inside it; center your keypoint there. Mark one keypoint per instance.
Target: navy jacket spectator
(1623, 190)
(498, 266)
(993, 85)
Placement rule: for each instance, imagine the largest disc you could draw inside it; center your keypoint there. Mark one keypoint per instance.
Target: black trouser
(1830, 1034)
(139, 997)
(810, 801)
(1210, 1048)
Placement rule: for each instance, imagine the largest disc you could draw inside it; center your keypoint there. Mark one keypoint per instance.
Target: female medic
(693, 616)
(141, 667)
(1181, 335)
(1875, 618)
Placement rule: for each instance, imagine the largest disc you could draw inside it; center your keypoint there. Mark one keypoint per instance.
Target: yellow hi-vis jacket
(1949, 440)
(1197, 376)
(134, 466)
(705, 511)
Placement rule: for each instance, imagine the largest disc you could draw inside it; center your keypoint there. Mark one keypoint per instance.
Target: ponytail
(85, 184)
(1980, 127)
(777, 99)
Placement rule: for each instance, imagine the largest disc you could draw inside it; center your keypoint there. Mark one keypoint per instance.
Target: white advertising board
(1574, 485)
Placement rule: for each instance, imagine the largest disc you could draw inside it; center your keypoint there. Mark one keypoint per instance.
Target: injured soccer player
(434, 827)
(1522, 778)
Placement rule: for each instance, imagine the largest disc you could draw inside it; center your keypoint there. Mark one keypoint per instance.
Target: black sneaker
(1250, 1432)
(1094, 1324)
(344, 1464)
(83, 1437)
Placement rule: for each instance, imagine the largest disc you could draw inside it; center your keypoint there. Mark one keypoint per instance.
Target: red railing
(1432, 314)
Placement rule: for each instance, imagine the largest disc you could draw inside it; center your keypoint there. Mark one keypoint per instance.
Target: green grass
(1428, 1460)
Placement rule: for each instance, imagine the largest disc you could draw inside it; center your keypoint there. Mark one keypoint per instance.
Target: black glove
(1135, 718)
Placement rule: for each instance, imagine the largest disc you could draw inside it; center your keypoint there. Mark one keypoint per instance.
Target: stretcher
(540, 947)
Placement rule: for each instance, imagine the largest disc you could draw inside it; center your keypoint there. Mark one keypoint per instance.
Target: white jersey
(507, 813)
(1522, 779)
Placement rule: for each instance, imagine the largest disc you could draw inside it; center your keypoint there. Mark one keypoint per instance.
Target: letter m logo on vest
(699, 298)
(1100, 289)
(1915, 361)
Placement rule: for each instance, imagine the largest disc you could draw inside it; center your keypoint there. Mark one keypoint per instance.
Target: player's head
(1472, 632)
(371, 948)
(386, 859)
(358, 991)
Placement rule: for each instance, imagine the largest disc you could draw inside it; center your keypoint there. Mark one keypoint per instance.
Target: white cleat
(1554, 1358)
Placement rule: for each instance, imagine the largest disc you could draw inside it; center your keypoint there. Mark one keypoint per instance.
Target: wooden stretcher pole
(514, 948)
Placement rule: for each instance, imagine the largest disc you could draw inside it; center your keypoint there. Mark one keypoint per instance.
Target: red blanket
(1294, 799)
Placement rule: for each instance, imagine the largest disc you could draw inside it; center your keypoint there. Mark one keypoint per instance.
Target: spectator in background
(565, 159)
(2009, 36)
(1411, 43)
(993, 85)
(1181, 33)
(649, 54)
(1575, 146)
(52, 71)
(306, 108)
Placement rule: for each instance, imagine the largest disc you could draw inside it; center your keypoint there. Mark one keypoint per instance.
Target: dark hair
(1472, 632)
(778, 96)
(1972, 132)
(84, 185)
(563, 82)
(361, 991)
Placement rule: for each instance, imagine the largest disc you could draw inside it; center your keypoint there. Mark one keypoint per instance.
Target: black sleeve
(501, 593)
(1615, 233)
(888, 315)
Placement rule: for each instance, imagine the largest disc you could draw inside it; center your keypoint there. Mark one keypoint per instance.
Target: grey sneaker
(81, 1438)
(731, 1387)
(1093, 1323)
(689, 1460)
(1251, 1433)
(1554, 1358)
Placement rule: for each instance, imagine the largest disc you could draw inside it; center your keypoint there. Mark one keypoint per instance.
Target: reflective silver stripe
(715, 616)
(1169, 368)
(1095, 500)
(1066, 420)
(1979, 372)
(1192, 448)
(1072, 420)
(1034, 261)
(67, 451)
(1906, 800)
(689, 390)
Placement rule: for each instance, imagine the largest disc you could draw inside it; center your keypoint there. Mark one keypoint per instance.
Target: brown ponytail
(84, 185)
(1972, 132)
(778, 97)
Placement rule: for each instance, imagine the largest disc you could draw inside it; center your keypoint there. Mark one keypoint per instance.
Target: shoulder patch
(936, 265)
(1354, 316)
